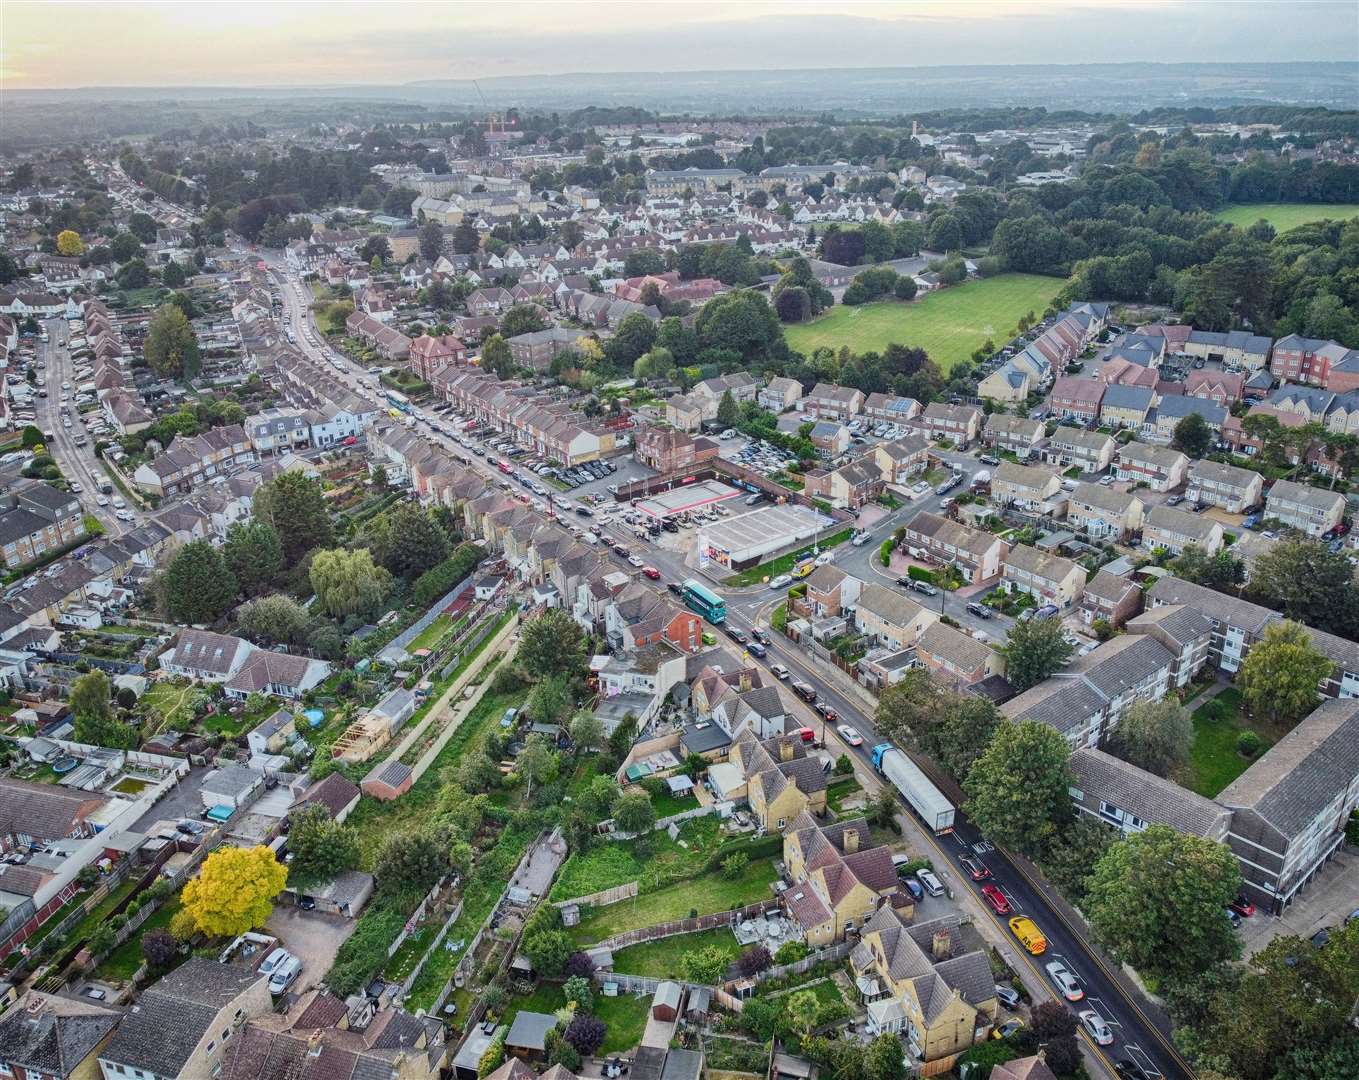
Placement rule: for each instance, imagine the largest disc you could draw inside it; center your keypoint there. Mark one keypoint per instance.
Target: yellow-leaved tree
(69, 243)
(233, 892)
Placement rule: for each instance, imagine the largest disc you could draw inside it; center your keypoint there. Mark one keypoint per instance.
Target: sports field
(948, 324)
(1284, 216)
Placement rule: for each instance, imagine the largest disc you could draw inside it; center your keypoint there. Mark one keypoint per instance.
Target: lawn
(625, 1015)
(432, 634)
(704, 894)
(1214, 756)
(172, 701)
(661, 959)
(949, 324)
(1285, 216)
(783, 563)
(841, 790)
(102, 910)
(121, 964)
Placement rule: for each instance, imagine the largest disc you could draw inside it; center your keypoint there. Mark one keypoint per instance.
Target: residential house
(889, 409)
(1050, 579)
(35, 520)
(1234, 349)
(124, 411)
(1126, 406)
(1174, 530)
(932, 983)
(668, 450)
(956, 656)
(192, 460)
(780, 394)
(781, 781)
(1090, 451)
(1174, 408)
(538, 349)
(183, 1023)
(1159, 467)
(1034, 1067)
(901, 459)
(848, 487)
(685, 412)
(1017, 434)
(429, 353)
(42, 813)
(54, 1037)
(1228, 487)
(739, 384)
(959, 424)
(1102, 513)
(1116, 793)
(890, 618)
(1008, 384)
(1109, 597)
(1184, 632)
(839, 877)
(1028, 488)
(1220, 387)
(1298, 506)
(828, 401)
(1290, 808)
(977, 554)
(830, 591)
(1077, 397)
(205, 656)
(273, 432)
(336, 792)
(831, 439)
(1308, 360)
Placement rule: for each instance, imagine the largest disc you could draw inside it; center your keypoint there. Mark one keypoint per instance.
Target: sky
(55, 44)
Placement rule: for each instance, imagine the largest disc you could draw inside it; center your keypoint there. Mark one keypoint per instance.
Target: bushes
(885, 553)
(438, 580)
(1248, 743)
(366, 950)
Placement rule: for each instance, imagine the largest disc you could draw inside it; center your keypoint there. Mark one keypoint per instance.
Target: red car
(652, 573)
(1242, 907)
(975, 870)
(996, 899)
(807, 734)
(1342, 528)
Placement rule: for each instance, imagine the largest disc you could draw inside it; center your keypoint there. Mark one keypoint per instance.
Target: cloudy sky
(292, 42)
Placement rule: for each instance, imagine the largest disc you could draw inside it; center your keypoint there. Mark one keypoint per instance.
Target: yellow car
(1005, 1030)
(803, 570)
(1029, 935)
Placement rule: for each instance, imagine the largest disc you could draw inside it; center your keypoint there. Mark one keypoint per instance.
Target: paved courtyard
(1330, 896)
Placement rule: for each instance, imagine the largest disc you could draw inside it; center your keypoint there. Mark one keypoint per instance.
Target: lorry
(933, 807)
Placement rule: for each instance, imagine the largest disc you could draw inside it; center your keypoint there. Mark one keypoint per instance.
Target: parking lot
(312, 936)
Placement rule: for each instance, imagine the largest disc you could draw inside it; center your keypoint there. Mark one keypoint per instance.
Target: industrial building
(762, 534)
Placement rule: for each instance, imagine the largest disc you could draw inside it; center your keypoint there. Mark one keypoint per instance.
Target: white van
(285, 975)
(274, 961)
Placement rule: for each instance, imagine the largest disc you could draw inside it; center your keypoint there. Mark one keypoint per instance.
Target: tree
(233, 891)
(496, 357)
(551, 644)
(171, 347)
(1309, 583)
(93, 710)
(587, 731)
(884, 1058)
(173, 277)
(578, 992)
(909, 708)
(431, 241)
(1017, 792)
(1034, 650)
(321, 847)
(346, 582)
(273, 620)
(1052, 1027)
(802, 1009)
(634, 813)
(466, 239)
(296, 509)
(254, 555)
(197, 586)
(586, 1034)
(159, 948)
(1156, 901)
(963, 733)
(1281, 673)
(1192, 436)
(418, 543)
(69, 243)
(1154, 735)
(753, 961)
(133, 274)
(599, 798)
(706, 966)
(728, 412)
(548, 950)
(1072, 856)
(1220, 571)
(414, 861)
(536, 761)
(375, 247)
(522, 319)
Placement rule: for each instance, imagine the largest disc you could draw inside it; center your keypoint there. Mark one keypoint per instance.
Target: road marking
(1097, 1005)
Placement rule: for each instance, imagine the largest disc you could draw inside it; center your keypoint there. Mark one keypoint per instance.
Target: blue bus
(398, 401)
(704, 601)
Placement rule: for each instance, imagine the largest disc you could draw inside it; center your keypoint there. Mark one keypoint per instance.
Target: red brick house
(1220, 387)
(1311, 361)
(390, 780)
(429, 353)
(1072, 396)
(667, 450)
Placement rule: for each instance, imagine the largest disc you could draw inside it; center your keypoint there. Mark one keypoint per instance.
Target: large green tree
(1154, 735)
(347, 582)
(171, 347)
(254, 555)
(1221, 571)
(1192, 436)
(1018, 790)
(274, 620)
(92, 708)
(1281, 673)
(1157, 899)
(320, 847)
(1308, 582)
(417, 542)
(197, 587)
(295, 508)
(1035, 649)
(551, 644)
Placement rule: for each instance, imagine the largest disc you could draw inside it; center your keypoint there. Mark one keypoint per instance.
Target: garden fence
(604, 897)
(409, 981)
(399, 643)
(798, 967)
(688, 926)
(413, 921)
(607, 827)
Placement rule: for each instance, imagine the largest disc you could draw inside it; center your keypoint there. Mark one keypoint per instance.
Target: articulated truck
(916, 788)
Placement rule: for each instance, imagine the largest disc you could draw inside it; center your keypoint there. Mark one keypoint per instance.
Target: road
(76, 464)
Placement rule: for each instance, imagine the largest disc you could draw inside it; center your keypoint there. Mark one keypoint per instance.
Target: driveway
(312, 936)
(181, 801)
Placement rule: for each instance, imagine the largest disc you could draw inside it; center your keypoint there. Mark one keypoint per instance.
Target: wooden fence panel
(604, 897)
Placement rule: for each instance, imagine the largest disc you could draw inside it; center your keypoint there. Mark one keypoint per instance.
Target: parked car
(850, 735)
(756, 649)
(975, 870)
(997, 899)
(1005, 1030)
(923, 587)
(1007, 995)
(1065, 980)
(1096, 1027)
(932, 884)
(1026, 930)
(780, 672)
(981, 611)
(806, 691)
(1242, 907)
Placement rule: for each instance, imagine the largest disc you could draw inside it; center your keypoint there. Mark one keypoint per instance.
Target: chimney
(314, 1043)
(941, 945)
(851, 841)
(744, 681)
(785, 749)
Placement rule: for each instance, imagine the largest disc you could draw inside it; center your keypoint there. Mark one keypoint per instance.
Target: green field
(1213, 755)
(1285, 216)
(948, 324)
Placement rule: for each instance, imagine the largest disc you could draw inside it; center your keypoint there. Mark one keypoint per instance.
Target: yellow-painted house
(839, 881)
(781, 780)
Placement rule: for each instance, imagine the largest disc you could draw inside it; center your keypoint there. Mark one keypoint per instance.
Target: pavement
(1325, 901)
(314, 937)
(184, 800)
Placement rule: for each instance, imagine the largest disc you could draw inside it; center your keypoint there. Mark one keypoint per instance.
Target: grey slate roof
(1145, 794)
(55, 1037)
(1182, 624)
(1302, 773)
(529, 1030)
(1062, 704)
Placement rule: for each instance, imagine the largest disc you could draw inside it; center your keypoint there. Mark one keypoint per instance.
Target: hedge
(438, 580)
